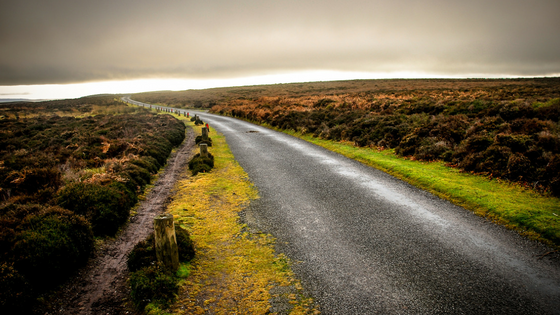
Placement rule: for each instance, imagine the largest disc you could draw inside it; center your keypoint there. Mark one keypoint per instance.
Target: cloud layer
(62, 41)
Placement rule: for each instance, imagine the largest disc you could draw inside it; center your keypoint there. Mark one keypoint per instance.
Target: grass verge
(233, 271)
(519, 208)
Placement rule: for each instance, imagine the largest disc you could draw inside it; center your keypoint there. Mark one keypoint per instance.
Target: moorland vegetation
(494, 143)
(70, 172)
(507, 129)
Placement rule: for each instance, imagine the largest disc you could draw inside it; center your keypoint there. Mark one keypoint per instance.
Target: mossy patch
(201, 164)
(199, 140)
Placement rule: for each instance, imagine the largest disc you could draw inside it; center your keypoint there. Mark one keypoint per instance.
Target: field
(503, 128)
(70, 171)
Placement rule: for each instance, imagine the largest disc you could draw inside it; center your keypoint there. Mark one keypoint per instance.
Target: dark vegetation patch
(150, 281)
(66, 178)
(505, 129)
(197, 121)
(199, 140)
(201, 164)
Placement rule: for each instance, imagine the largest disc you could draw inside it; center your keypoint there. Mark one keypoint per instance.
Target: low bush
(142, 255)
(106, 207)
(185, 244)
(40, 247)
(138, 177)
(201, 164)
(151, 282)
(16, 294)
(148, 163)
(50, 244)
(197, 121)
(199, 140)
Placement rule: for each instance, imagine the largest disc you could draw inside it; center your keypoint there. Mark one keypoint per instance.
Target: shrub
(553, 174)
(50, 245)
(478, 143)
(106, 207)
(430, 149)
(517, 143)
(549, 110)
(153, 284)
(138, 177)
(185, 244)
(15, 293)
(197, 120)
(29, 180)
(148, 163)
(159, 149)
(198, 140)
(142, 255)
(408, 145)
(201, 164)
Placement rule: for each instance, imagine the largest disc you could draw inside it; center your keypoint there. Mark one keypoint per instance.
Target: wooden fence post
(204, 134)
(167, 251)
(203, 149)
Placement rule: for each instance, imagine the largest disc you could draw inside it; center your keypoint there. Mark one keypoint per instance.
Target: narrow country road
(364, 242)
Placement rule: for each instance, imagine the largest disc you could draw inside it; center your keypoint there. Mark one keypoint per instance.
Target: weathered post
(203, 149)
(204, 134)
(167, 251)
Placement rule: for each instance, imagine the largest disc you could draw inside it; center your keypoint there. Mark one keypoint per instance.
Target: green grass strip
(524, 210)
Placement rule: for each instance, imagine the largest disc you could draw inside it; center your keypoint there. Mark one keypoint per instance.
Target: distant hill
(12, 100)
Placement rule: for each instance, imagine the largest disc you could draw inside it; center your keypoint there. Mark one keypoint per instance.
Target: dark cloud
(62, 41)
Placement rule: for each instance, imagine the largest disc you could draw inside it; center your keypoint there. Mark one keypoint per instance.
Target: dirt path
(100, 288)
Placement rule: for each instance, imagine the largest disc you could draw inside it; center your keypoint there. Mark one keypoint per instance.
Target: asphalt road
(364, 242)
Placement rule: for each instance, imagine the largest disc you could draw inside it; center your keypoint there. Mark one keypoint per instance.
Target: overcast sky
(70, 41)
